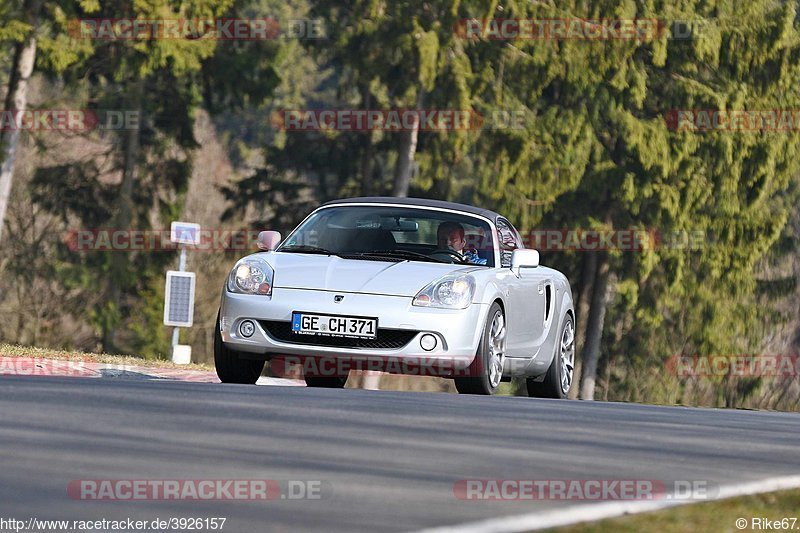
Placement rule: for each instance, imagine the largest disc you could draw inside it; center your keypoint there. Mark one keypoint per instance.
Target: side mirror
(524, 258)
(268, 240)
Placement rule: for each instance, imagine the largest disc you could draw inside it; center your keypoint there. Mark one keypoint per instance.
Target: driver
(450, 235)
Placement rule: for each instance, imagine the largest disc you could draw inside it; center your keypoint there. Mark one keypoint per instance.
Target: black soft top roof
(421, 202)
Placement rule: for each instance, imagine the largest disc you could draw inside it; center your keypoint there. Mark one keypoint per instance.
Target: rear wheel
(231, 366)
(558, 379)
(486, 370)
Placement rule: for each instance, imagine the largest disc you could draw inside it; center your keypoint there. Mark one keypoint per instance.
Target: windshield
(394, 233)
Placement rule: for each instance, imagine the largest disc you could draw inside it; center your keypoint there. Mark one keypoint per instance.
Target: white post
(181, 233)
(182, 268)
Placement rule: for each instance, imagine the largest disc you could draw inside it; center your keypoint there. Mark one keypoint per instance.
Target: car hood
(332, 273)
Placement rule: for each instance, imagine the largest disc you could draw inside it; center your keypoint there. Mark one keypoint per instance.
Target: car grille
(387, 339)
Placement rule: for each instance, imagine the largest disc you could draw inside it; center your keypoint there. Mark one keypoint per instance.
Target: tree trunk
(406, 150)
(367, 188)
(123, 219)
(583, 305)
(594, 328)
(16, 102)
(405, 160)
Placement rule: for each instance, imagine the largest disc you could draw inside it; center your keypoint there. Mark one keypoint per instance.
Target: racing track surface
(389, 459)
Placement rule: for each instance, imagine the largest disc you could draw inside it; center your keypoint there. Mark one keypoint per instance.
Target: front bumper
(457, 331)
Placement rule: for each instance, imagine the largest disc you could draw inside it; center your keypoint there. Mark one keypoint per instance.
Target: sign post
(179, 290)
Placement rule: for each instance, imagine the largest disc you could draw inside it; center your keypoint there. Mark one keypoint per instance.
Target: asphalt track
(388, 460)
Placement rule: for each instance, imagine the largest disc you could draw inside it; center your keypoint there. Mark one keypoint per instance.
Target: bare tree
(406, 150)
(16, 102)
(405, 159)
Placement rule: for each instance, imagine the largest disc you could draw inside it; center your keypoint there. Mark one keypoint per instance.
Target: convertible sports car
(424, 283)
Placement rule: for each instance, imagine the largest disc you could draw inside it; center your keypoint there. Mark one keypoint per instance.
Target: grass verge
(13, 350)
(716, 516)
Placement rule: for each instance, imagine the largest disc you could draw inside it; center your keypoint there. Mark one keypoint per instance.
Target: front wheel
(558, 379)
(231, 367)
(486, 370)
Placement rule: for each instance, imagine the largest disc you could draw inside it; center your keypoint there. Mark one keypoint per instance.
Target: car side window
(509, 241)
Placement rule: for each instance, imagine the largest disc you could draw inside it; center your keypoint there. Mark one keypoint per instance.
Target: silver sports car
(399, 285)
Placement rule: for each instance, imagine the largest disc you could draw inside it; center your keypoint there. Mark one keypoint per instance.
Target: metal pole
(181, 268)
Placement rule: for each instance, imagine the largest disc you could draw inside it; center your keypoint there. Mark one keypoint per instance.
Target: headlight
(453, 291)
(251, 276)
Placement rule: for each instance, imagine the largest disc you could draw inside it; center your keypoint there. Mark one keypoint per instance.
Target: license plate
(334, 325)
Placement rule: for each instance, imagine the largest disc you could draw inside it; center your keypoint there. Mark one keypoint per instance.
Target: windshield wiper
(305, 249)
(404, 254)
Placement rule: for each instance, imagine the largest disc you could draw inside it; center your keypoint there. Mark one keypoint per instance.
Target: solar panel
(179, 299)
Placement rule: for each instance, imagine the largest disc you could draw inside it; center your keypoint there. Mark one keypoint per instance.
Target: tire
(558, 379)
(486, 370)
(230, 366)
(325, 382)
